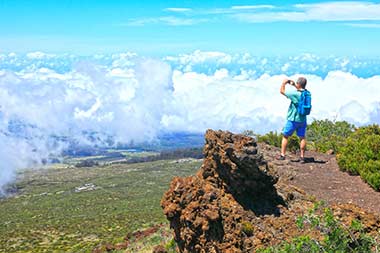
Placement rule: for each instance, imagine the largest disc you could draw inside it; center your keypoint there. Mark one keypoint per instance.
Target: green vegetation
(361, 155)
(358, 150)
(247, 228)
(68, 209)
(324, 135)
(170, 246)
(127, 156)
(169, 154)
(107, 156)
(274, 139)
(271, 138)
(335, 236)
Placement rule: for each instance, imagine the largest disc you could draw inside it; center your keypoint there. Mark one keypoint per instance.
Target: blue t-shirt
(293, 115)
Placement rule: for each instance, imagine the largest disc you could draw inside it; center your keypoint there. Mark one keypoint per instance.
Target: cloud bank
(103, 100)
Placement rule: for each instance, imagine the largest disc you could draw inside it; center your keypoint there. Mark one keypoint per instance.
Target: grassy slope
(48, 215)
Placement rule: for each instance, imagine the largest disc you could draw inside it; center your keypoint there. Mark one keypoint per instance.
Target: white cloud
(234, 9)
(167, 20)
(285, 67)
(199, 56)
(210, 61)
(233, 104)
(86, 114)
(252, 7)
(364, 25)
(270, 17)
(175, 21)
(354, 112)
(38, 55)
(126, 106)
(325, 11)
(341, 11)
(178, 9)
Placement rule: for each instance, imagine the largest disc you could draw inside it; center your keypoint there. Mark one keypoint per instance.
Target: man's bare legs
(284, 143)
(302, 146)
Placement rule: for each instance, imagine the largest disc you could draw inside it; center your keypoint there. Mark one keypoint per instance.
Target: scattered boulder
(159, 249)
(86, 187)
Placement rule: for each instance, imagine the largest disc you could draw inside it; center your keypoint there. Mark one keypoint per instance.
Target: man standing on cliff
(295, 120)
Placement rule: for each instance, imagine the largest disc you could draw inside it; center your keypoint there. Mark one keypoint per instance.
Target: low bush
(361, 155)
(271, 138)
(324, 135)
(336, 236)
(247, 228)
(170, 246)
(274, 139)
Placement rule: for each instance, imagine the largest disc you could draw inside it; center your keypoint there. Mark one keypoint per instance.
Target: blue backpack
(304, 105)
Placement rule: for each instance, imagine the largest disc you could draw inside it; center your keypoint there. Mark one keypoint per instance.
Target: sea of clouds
(49, 101)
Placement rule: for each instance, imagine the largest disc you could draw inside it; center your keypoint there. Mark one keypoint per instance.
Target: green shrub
(324, 135)
(170, 246)
(247, 228)
(271, 138)
(275, 139)
(299, 244)
(361, 155)
(337, 237)
(293, 143)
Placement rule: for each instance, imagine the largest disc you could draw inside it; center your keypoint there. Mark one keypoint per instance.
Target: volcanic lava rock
(235, 202)
(207, 210)
(233, 163)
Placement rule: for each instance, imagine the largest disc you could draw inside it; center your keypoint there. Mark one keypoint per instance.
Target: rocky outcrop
(235, 202)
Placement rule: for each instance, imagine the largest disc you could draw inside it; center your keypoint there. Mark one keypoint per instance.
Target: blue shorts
(292, 126)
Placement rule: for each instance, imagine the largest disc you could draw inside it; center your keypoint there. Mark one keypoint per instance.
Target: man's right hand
(291, 82)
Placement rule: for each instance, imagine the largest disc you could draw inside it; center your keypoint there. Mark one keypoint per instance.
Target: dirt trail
(321, 177)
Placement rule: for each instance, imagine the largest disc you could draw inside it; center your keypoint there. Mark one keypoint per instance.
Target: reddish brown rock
(235, 202)
(159, 249)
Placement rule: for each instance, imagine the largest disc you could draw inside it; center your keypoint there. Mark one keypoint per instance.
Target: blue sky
(172, 27)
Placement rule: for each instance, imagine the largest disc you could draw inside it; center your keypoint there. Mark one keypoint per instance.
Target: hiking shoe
(280, 157)
(298, 160)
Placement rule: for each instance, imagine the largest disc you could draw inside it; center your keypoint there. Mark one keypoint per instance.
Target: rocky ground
(242, 199)
(321, 177)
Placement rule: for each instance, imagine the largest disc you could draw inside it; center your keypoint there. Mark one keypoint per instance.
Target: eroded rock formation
(235, 202)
